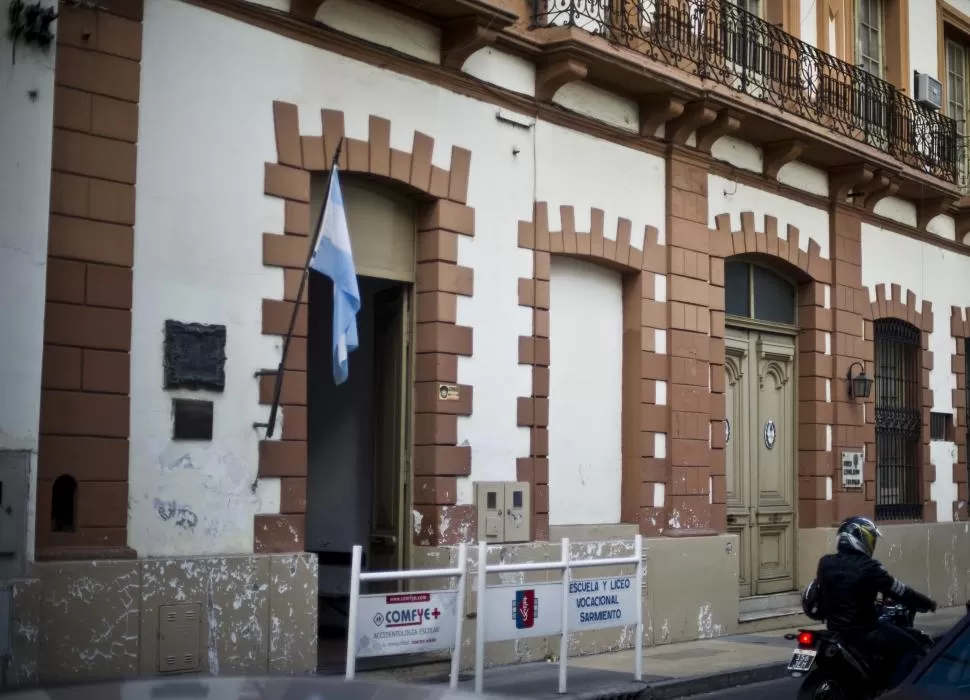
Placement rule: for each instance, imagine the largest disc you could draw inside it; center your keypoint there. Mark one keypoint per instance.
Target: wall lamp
(860, 386)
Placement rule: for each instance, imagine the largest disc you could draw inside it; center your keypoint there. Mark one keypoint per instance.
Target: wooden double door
(760, 454)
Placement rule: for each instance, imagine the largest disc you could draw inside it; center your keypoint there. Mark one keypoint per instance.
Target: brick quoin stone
(960, 331)
(84, 407)
(641, 316)
(442, 217)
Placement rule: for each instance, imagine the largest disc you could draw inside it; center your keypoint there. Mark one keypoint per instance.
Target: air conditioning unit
(929, 90)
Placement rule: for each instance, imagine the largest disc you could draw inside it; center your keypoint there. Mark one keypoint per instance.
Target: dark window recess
(899, 420)
(195, 356)
(773, 295)
(737, 290)
(191, 419)
(491, 500)
(64, 504)
(941, 427)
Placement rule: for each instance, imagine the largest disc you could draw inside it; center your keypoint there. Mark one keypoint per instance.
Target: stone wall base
(93, 620)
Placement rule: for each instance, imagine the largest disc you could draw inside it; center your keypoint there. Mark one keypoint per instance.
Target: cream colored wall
(934, 559)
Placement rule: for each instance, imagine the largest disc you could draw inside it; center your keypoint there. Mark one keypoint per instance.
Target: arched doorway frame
(814, 365)
(442, 215)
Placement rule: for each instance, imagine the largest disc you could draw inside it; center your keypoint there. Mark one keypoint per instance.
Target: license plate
(802, 660)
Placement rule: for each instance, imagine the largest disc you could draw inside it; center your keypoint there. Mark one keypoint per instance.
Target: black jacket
(849, 582)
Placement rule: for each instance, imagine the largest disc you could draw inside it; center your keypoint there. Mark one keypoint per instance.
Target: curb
(683, 687)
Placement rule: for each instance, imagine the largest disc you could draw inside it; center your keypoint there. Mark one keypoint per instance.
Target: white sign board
(527, 610)
(406, 623)
(852, 470)
(598, 603)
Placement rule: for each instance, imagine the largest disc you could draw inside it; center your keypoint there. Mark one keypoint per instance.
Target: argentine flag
(333, 258)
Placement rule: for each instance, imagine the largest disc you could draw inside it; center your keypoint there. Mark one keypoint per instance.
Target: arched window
(899, 420)
(755, 292)
(64, 504)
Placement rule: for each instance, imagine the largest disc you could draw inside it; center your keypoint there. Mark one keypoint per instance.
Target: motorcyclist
(847, 584)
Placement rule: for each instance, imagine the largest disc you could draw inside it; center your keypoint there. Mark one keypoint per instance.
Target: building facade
(691, 269)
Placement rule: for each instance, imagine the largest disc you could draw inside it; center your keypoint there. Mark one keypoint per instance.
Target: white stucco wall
(936, 275)
(379, 25)
(202, 213)
(728, 197)
(923, 41)
(27, 120)
(808, 22)
(585, 393)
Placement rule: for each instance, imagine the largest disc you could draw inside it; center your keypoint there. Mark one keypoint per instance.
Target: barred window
(899, 420)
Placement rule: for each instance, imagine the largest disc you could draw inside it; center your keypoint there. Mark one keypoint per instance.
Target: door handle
(387, 540)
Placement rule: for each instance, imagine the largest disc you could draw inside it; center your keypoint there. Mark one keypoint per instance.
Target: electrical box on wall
(179, 637)
(504, 511)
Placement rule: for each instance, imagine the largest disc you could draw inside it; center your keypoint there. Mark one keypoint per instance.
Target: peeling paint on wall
(706, 627)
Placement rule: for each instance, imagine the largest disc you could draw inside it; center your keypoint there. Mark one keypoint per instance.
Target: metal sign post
(406, 623)
(508, 612)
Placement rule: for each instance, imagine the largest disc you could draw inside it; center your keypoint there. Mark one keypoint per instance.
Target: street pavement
(754, 661)
(785, 689)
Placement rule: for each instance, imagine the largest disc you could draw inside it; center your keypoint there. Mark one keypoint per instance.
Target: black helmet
(811, 602)
(858, 534)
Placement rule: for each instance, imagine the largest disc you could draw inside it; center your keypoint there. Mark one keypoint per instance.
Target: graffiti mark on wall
(183, 516)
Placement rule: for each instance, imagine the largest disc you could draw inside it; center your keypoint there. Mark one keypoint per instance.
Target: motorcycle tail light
(806, 639)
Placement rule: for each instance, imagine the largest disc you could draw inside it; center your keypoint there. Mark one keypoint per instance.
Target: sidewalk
(671, 670)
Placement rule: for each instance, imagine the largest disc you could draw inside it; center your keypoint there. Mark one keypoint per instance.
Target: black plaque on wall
(191, 419)
(195, 356)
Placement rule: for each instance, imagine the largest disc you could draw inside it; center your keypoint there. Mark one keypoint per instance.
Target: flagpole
(270, 425)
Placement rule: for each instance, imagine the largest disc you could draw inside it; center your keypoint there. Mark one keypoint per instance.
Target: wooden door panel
(737, 450)
(774, 492)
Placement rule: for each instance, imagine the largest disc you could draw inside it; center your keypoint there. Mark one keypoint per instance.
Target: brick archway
(815, 347)
(442, 216)
(642, 316)
(889, 303)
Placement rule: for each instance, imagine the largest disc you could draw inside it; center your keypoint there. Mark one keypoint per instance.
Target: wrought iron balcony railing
(717, 40)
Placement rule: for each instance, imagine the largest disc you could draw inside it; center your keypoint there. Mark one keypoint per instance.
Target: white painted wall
(585, 393)
(632, 188)
(808, 23)
(201, 190)
(932, 274)
(379, 25)
(728, 197)
(502, 69)
(25, 175)
(596, 103)
(923, 43)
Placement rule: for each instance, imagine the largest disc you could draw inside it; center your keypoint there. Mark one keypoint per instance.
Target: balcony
(719, 42)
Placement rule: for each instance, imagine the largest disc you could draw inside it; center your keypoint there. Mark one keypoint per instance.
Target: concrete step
(764, 613)
(763, 603)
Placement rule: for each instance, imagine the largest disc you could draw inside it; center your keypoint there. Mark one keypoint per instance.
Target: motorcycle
(833, 670)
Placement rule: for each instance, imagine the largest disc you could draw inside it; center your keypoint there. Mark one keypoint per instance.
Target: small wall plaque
(852, 469)
(448, 392)
(195, 356)
(191, 419)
